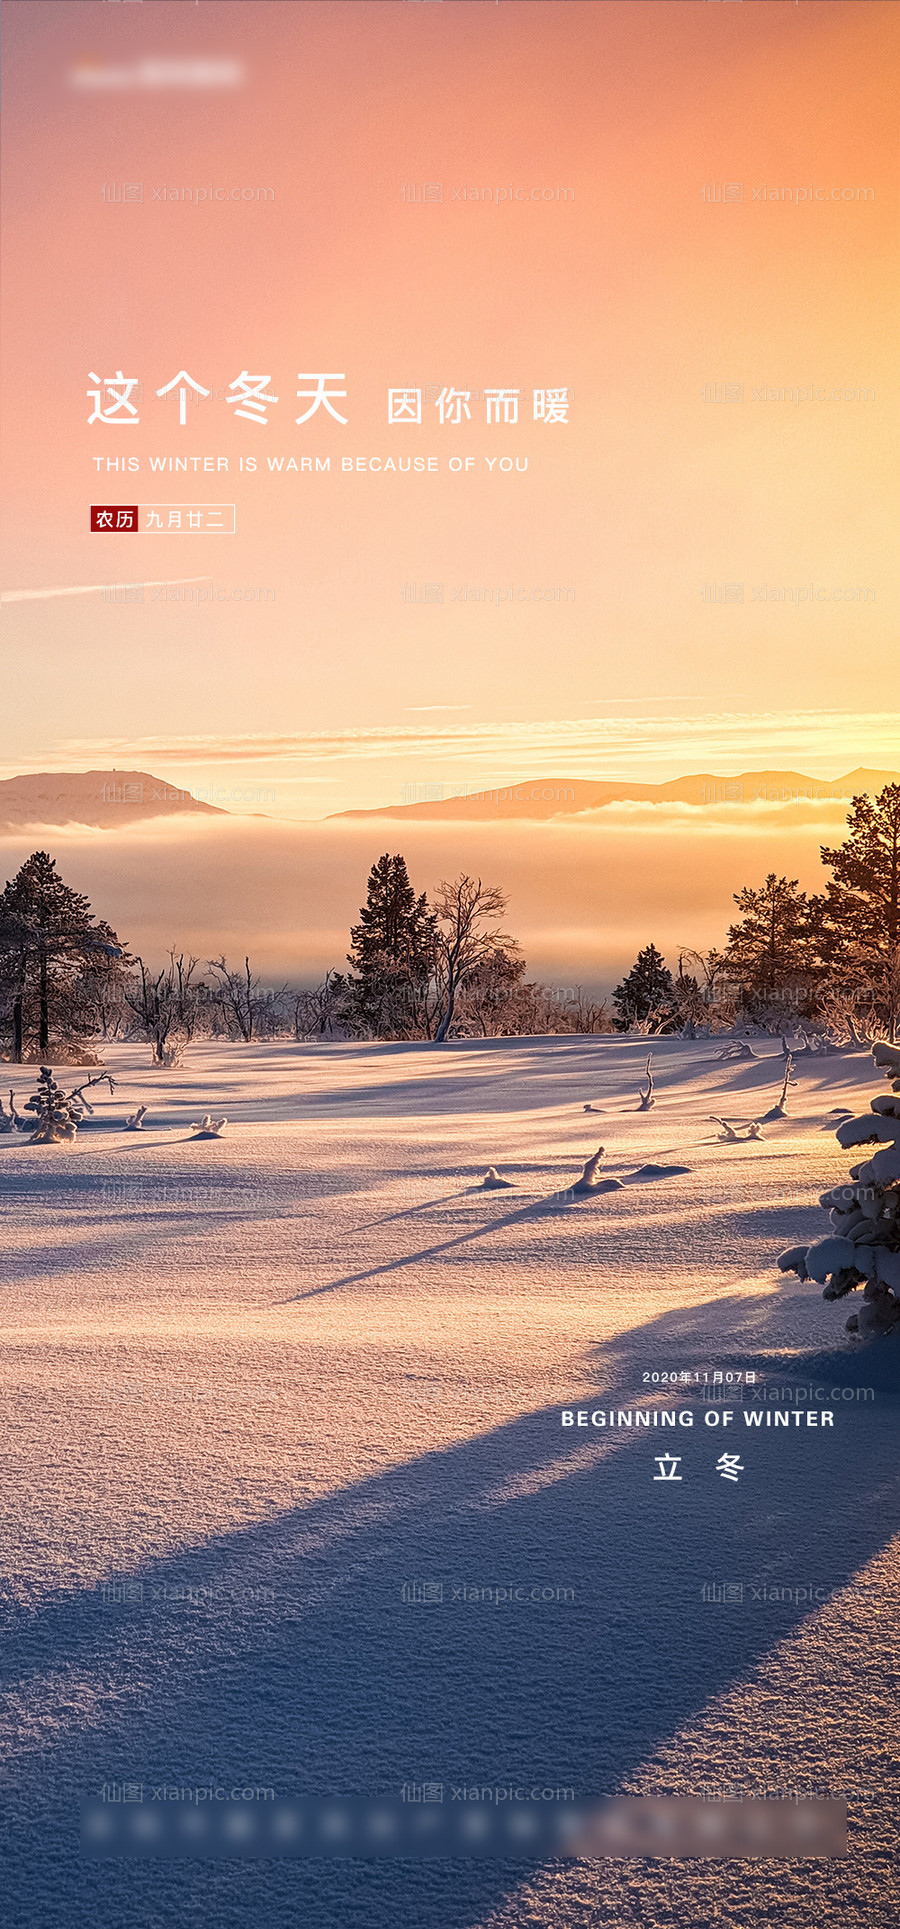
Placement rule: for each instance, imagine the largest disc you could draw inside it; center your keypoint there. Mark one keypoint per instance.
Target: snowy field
(260, 1392)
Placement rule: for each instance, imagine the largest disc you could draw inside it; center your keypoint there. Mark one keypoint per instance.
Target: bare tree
(583, 1014)
(248, 1011)
(493, 1001)
(324, 1012)
(237, 995)
(165, 1006)
(468, 935)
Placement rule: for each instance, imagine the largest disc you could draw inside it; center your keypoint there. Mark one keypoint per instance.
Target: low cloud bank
(584, 895)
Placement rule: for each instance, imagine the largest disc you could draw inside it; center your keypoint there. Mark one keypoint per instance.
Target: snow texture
(314, 1362)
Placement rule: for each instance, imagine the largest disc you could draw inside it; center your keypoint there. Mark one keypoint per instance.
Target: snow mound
(646, 1173)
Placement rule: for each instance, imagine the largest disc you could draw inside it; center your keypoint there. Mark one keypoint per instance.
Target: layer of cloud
(584, 894)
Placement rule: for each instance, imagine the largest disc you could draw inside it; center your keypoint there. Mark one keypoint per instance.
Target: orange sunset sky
(623, 273)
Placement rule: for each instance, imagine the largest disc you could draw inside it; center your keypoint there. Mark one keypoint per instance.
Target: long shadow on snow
(765, 1222)
(339, 1685)
(555, 1201)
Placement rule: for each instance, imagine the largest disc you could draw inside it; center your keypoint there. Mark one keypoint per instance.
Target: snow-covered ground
(313, 1368)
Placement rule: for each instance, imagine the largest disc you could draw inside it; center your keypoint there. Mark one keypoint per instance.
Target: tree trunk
(444, 1025)
(44, 1021)
(18, 1029)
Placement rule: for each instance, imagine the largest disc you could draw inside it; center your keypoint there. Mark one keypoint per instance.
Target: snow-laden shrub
(58, 1114)
(863, 1248)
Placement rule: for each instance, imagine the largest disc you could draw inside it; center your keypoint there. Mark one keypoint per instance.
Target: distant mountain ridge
(101, 799)
(558, 797)
(114, 799)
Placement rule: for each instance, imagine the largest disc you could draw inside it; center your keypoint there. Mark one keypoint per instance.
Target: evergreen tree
(772, 949)
(48, 935)
(863, 1247)
(861, 905)
(647, 992)
(392, 954)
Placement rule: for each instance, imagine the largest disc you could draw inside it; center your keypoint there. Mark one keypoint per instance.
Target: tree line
(432, 969)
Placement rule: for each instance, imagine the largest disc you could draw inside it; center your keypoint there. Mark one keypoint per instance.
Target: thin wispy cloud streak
(92, 589)
(593, 745)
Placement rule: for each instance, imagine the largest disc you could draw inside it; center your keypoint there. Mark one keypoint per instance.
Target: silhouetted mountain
(104, 799)
(559, 797)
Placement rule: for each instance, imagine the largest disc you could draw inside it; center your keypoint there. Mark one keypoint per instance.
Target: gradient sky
(634, 293)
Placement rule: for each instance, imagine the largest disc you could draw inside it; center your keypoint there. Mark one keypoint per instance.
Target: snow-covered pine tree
(772, 946)
(49, 938)
(863, 1248)
(392, 953)
(647, 992)
(861, 906)
(58, 1116)
(59, 1113)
